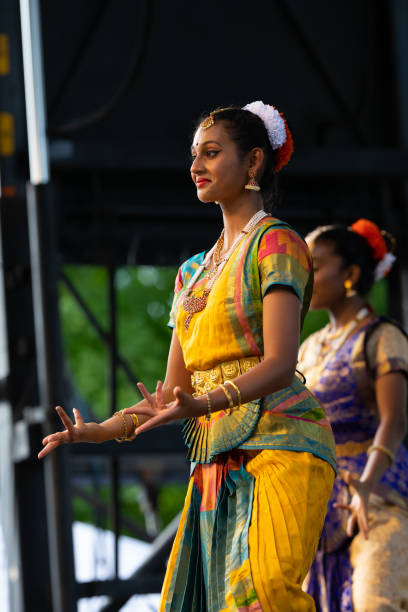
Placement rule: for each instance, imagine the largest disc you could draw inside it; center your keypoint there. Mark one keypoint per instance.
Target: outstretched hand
(159, 413)
(74, 432)
(358, 506)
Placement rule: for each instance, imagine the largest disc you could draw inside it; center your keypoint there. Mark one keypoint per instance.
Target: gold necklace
(218, 248)
(192, 304)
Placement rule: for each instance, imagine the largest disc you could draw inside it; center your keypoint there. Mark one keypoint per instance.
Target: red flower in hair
(284, 153)
(371, 232)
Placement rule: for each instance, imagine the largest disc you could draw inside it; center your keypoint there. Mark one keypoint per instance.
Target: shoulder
(191, 264)
(385, 348)
(387, 334)
(187, 269)
(277, 237)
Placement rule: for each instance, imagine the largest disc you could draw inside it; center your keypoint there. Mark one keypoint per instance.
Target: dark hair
(354, 250)
(248, 131)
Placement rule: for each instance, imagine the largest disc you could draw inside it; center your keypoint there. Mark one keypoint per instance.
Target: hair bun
(371, 232)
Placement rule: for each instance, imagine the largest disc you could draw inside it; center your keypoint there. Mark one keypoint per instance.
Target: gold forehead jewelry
(209, 121)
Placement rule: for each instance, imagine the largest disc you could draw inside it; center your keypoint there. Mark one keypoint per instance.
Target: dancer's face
(329, 276)
(218, 170)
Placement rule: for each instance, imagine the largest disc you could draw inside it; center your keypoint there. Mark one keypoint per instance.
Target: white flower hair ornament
(274, 123)
(278, 132)
(384, 266)
(312, 236)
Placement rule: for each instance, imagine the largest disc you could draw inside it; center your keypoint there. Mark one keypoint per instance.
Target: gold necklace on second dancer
(192, 304)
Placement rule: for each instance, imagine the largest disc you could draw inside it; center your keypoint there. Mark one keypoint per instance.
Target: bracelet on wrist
(126, 436)
(383, 449)
(229, 398)
(238, 392)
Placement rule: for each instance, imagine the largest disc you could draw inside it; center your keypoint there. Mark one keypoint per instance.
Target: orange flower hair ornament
(284, 153)
(375, 238)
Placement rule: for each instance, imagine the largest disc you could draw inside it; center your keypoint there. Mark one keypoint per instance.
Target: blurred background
(98, 103)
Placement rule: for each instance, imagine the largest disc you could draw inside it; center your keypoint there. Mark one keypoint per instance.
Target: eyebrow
(207, 142)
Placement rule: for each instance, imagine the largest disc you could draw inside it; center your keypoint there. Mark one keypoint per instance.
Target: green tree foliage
(144, 295)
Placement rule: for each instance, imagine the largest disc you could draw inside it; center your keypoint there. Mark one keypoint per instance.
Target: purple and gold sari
(347, 391)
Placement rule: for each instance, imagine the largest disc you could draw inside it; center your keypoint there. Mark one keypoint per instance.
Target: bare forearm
(389, 435)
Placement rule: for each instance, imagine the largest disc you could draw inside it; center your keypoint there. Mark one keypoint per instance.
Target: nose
(196, 165)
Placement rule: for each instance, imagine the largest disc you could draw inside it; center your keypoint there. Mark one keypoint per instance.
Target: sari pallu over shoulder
(230, 327)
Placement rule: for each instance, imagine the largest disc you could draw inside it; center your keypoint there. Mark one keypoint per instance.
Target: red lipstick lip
(200, 182)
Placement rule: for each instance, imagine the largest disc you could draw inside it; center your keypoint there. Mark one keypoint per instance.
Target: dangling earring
(350, 292)
(252, 185)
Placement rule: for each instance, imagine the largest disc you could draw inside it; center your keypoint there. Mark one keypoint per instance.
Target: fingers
(145, 410)
(343, 506)
(350, 525)
(159, 393)
(47, 449)
(179, 393)
(65, 418)
(59, 436)
(159, 419)
(362, 519)
(52, 441)
(79, 421)
(146, 394)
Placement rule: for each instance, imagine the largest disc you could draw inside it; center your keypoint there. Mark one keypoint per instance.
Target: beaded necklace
(192, 304)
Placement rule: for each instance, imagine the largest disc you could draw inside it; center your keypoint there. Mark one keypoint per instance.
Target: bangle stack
(227, 394)
(383, 449)
(126, 436)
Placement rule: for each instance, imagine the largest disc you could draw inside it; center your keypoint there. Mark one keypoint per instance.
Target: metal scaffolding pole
(45, 305)
(8, 521)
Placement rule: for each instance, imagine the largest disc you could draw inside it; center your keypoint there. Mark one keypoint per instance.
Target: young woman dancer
(357, 367)
(261, 449)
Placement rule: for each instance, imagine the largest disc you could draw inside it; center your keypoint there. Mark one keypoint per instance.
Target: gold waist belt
(204, 381)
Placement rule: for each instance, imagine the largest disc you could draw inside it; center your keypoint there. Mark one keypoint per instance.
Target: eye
(211, 153)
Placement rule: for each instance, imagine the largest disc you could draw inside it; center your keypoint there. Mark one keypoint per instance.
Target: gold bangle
(124, 436)
(135, 420)
(136, 423)
(229, 398)
(209, 407)
(383, 449)
(239, 398)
